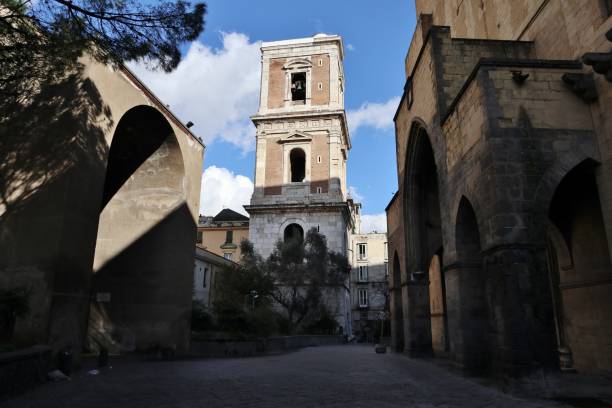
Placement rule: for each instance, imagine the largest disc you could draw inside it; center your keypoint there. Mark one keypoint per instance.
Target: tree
(236, 308)
(41, 40)
(302, 270)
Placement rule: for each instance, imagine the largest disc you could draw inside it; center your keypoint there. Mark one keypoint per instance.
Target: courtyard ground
(332, 376)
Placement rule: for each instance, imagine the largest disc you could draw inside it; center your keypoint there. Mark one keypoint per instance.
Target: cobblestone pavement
(333, 376)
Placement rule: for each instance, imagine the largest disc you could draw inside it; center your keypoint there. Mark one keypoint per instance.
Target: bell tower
(302, 148)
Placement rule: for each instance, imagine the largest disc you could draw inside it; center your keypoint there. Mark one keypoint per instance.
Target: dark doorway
(398, 313)
(466, 296)
(294, 232)
(581, 272)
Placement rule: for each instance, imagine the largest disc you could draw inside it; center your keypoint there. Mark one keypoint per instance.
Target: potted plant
(14, 303)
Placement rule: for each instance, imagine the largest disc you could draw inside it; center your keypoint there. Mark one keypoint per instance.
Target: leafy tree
(41, 40)
(302, 271)
(235, 307)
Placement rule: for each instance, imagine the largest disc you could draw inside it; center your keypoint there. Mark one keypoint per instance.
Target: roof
(229, 215)
(212, 258)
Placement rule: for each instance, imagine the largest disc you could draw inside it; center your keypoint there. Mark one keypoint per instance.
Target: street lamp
(254, 296)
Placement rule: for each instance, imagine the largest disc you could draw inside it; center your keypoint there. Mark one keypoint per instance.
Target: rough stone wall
(504, 147)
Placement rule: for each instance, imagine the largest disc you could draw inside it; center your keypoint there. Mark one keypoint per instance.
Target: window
(386, 269)
(204, 277)
(298, 86)
(228, 255)
(199, 237)
(318, 159)
(363, 273)
(320, 63)
(363, 297)
(229, 237)
(320, 86)
(297, 157)
(362, 252)
(319, 190)
(294, 232)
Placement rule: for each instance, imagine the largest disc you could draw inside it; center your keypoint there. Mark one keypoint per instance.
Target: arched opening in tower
(293, 233)
(297, 158)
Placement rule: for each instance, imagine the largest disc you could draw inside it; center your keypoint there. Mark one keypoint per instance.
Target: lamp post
(253, 294)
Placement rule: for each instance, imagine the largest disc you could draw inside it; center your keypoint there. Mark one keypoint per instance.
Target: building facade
(222, 233)
(500, 231)
(206, 267)
(301, 150)
(369, 284)
(117, 185)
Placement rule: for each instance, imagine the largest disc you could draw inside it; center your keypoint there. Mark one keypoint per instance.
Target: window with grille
(228, 255)
(363, 297)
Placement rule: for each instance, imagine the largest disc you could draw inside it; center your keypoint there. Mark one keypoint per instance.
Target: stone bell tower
(302, 149)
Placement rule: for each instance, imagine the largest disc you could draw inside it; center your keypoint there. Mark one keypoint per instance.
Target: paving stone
(331, 376)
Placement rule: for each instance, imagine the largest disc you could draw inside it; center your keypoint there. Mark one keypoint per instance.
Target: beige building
(369, 284)
(114, 177)
(222, 233)
(301, 150)
(501, 231)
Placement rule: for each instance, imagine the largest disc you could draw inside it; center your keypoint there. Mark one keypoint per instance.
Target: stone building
(369, 283)
(301, 150)
(206, 267)
(103, 181)
(500, 231)
(222, 233)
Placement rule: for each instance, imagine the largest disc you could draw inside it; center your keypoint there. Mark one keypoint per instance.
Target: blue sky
(217, 87)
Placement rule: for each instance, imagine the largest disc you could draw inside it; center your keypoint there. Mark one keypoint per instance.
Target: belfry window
(298, 165)
(298, 86)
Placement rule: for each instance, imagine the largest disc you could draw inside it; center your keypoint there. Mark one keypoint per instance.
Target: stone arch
(423, 234)
(466, 294)
(396, 303)
(142, 266)
(580, 272)
(297, 163)
(293, 232)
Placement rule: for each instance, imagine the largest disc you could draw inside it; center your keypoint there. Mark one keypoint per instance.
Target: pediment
(300, 63)
(296, 137)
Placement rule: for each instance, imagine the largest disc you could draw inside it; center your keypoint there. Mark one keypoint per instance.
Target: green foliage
(322, 322)
(201, 320)
(302, 270)
(237, 309)
(42, 40)
(15, 302)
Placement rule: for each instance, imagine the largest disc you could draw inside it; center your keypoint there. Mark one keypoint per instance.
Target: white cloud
(350, 47)
(352, 191)
(221, 188)
(216, 89)
(376, 115)
(373, 223)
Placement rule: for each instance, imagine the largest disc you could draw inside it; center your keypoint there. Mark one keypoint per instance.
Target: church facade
(302, 150)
